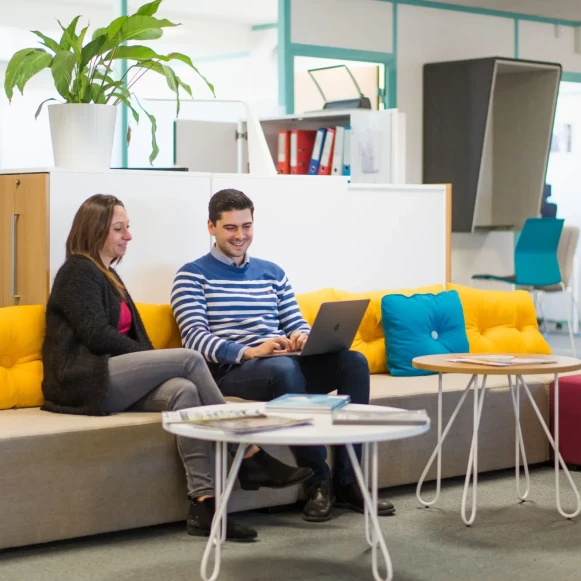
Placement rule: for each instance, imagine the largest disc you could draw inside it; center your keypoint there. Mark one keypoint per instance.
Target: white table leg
(438, 449)
(223, 490)
(472, 469)
(365, 462)
(370, 501)
(555, 445)
(519, 442)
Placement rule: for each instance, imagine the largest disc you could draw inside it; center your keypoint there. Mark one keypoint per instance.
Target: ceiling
(253, 12)
(243, 11)
(558, 9)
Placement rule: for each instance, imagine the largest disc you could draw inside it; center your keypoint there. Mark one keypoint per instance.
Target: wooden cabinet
(24, 247)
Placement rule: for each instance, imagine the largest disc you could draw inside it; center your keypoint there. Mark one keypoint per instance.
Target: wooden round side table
(442, 364)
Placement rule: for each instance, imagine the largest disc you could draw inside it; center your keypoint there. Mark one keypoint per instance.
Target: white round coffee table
(320, 432)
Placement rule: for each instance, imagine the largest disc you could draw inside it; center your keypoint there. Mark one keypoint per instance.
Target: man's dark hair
(226, 201)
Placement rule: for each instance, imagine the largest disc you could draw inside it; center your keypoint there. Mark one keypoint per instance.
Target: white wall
(354, 24)
(430, 35)
(42, 14)
(564, 175)
(547, 42)
(24, 140)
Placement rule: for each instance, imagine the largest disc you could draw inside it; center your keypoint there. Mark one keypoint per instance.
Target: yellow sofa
(496, 322)
(102, 474)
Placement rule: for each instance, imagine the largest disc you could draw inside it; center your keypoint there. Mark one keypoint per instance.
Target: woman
(99, 360)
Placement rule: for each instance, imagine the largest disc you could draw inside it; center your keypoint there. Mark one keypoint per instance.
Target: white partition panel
(325, 232)
(167, 213)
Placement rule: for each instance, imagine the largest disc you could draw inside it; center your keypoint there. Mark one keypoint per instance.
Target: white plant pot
(82, 134)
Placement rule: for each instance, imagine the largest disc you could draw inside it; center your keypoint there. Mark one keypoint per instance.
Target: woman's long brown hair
(89, 231)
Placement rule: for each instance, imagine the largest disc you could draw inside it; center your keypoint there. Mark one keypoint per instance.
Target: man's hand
(298, 340)
(277, 345)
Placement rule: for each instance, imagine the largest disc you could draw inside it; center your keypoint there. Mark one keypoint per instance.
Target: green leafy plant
(83, 72)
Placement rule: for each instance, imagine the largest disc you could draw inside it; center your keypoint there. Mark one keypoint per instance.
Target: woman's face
(116, 244)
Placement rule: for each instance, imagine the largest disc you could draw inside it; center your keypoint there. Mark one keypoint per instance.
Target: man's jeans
(267, 378)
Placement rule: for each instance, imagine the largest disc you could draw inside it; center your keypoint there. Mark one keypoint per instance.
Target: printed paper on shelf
(501, 360)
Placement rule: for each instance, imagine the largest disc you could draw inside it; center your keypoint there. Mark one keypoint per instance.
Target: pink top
(124, 319)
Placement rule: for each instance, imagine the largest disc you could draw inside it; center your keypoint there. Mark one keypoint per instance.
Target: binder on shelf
(347, 152)
(337, 163)
(327, 153)
(301, 147)
(283, 163)
(317, 150)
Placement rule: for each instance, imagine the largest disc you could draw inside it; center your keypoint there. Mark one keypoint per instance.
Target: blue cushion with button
(422, 324)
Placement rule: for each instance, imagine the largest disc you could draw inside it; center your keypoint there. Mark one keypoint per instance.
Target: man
(234, 310)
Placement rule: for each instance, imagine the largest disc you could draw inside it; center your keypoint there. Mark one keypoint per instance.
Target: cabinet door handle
(13, 223)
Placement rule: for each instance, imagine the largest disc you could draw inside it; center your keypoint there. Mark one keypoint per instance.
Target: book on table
(501, 360)
(375, 417)
(308, 403)
(237, 421)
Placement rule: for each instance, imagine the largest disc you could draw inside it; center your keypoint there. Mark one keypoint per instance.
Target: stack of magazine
(233, 419)
(343, 414)
(379, 417)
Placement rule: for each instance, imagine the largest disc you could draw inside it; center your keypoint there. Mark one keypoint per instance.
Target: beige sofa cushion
(65, 476)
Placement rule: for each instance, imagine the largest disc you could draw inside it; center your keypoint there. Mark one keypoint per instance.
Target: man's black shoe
(200, 518)
(350, 497)
(262, 470)
(319, 505)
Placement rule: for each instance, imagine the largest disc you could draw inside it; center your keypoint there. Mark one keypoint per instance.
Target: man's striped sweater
(222, 309)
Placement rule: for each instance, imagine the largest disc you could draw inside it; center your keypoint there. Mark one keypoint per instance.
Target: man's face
(233, 233)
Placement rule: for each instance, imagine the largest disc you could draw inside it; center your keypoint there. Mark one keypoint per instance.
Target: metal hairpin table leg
(555, 445)
(224, 488)
(375, 535)
(438, 449)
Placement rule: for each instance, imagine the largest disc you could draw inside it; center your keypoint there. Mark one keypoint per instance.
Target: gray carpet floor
(509, 541)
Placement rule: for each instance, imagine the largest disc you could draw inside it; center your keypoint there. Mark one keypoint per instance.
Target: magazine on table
(307, 402)
(501, 360)
(381, 417)
(239, 421)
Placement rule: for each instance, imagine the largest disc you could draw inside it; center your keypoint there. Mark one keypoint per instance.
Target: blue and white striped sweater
(222, 309)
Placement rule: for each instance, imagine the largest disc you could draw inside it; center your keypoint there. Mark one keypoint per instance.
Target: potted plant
(83, 125)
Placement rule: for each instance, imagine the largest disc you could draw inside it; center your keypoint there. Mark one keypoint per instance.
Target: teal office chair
(536, 263)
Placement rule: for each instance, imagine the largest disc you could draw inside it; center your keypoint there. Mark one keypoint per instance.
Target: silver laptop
(334, 328)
